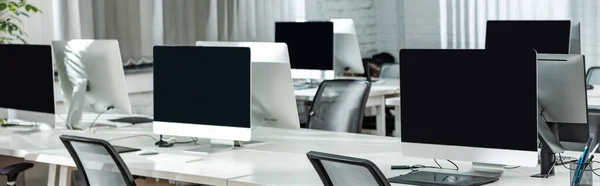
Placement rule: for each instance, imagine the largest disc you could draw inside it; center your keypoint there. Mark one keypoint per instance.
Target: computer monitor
(545, 36)
(273, 98)
(562, 97)
(562, 89)
(488, 101)
(28, 83)
(91, 77)
(202, 92)
(347, 51)
(310, 45)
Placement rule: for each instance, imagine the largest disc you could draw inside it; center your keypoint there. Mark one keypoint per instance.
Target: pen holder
(586, 177)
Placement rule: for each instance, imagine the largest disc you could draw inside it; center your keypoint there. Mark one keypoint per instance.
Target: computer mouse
(146, 152)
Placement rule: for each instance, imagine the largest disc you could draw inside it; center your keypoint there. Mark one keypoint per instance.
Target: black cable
(453, 164)
(438, 164)
(194, 140)
(98, 116)
(515, 167)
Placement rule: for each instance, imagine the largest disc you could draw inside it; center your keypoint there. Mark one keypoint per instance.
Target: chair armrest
(15, 169)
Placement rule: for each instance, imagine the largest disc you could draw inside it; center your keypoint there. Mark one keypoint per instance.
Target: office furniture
(395, 102)
(342, 170)
(390, 71)
(339, 105)
(281, 161)
(377, 95)
(13, 171)
(593, 76)
(92, 156)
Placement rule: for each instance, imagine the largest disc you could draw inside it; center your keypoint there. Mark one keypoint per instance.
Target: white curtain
(188, 21)
(463, 22)
(128, 21)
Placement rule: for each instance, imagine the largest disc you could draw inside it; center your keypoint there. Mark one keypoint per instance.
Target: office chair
(390, 71)
(13, 171)
(97, 162)
(339, 105)
(593, 76)
(341, 170)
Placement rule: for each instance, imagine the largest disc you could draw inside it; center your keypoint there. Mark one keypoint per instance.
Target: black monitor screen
(310, 44)
(472, 98)
(202, 85)
(27, 78)
(551, 37)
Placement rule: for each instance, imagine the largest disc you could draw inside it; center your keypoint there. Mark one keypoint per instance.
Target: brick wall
(385, 25)
(363, 12)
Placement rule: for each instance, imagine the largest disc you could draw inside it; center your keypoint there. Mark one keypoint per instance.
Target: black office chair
(339, 105)
(98, 163)
(13, 171)
(593, 77)
(341, 170)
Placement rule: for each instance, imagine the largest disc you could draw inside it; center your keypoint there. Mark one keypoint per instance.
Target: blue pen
(580, 161)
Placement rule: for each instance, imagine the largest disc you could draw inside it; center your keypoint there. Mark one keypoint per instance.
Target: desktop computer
(347, 51)
(211, 104)
(492, 124)
(545, 36)
(562, 97)
(310, 45)
(273, 99)
(91, 78)
(28, 86)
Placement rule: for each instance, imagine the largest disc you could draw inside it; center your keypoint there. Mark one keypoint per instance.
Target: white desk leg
(398, 133)
(64, 172)
(52, 175)
(381, 117)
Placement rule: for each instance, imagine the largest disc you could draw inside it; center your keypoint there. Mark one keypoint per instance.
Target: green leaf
(3, 6)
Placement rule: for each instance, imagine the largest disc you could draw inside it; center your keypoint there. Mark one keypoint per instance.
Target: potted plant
(11, 14)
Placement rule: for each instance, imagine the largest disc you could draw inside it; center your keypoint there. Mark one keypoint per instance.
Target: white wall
(384, 25)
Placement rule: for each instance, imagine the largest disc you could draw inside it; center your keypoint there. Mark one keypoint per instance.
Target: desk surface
(279, 161)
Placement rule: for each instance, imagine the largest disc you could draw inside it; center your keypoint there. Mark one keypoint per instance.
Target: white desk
(284, 147)
(396, 103)
(377, 95)
(281, 161)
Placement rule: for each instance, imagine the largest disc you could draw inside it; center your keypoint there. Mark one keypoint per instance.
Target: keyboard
(441, 179)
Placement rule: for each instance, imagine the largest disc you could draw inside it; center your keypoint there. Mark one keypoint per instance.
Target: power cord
(194, 140)
(98, 116)
(134, 136)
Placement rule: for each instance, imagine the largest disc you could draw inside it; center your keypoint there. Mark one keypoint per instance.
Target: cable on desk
(453, 164)
(194, 140)
(509, 168)
(440, 166)
(98, 116)
(134, 136)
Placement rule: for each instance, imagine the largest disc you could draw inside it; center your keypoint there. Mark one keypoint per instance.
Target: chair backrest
(341, 170)
(390, 71)
(97, 161)
(593, 76)
(339, 105)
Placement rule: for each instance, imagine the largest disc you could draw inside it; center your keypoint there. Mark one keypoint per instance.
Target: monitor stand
(212, 148)
(548, 135)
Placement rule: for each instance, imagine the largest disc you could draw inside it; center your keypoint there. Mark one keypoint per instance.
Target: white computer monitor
(273, 99)
(28, 86)
(491, 125)
(562, 88)
(347, 56)
(203, 92)
(91, 77)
